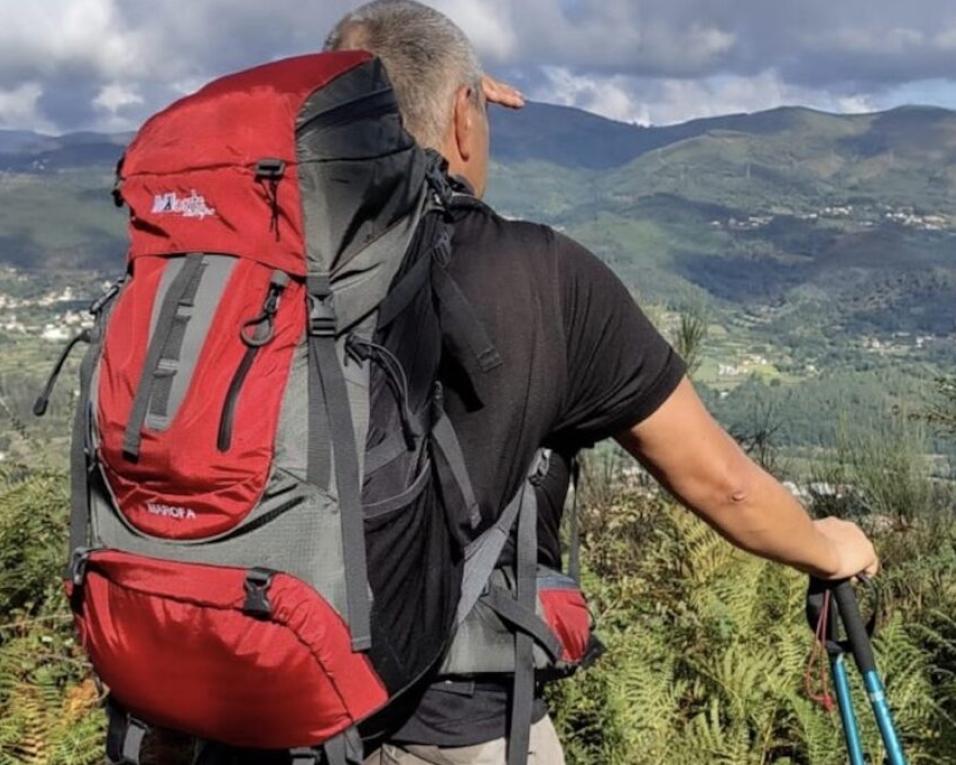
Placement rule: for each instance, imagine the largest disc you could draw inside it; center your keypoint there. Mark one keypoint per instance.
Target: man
(581, 363)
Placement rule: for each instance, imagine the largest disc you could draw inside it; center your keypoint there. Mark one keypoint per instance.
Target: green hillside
(787, 208)
(821, 248)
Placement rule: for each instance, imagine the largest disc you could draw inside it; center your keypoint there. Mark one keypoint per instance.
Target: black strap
(466, 338)
(502, 602)
(212, 753)
(124, 736)
(404, 499)
(522, 697)
(574, 545)
(402, 294)
(80, 458)
(115, 731)
(448, 444)
(393, 447)
(169, 323)
(328, 381)
(43, 400)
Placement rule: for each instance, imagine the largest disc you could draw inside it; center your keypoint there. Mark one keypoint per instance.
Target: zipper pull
(269, 309)
(43, 400)
(85, 336)
(97, 306)
(269, 171)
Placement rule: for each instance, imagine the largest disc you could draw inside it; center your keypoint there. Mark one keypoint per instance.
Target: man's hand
(853, 552)
(497, 92)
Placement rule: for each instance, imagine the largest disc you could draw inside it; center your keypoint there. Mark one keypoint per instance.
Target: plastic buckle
(304, 755)
(79, 561)
(136, 731)
(322, 319)
(97, 305)
(437, 178)
(117, 193)
(542, 467)
(270, 168)
(76, 574)
(441, 251)
(258, 581)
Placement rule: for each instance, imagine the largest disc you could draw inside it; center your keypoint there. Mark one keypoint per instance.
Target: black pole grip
(857, 633)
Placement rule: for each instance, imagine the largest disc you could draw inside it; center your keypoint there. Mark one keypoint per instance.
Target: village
(864, 216)
(54, 315)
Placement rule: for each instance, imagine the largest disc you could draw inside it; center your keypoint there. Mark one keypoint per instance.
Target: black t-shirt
(580, 363)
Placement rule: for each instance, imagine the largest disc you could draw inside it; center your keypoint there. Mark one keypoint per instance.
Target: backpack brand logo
(193, 206)
(171, 511)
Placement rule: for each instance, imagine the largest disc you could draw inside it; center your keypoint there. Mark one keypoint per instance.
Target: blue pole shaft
(851, 731)
(884, 718)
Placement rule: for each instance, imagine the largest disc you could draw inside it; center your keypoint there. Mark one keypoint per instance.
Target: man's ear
(464, 122)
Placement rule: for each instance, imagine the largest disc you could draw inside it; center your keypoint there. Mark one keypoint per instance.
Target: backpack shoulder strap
(330, 424)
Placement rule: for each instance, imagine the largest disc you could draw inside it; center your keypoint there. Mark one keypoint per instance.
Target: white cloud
(608, 96)
(88, 63)
(488, 25)
(663, 101)
(18, 108)
(113, 102)
(856, 104)
(115, 96)
(946, 39)
(41, 37)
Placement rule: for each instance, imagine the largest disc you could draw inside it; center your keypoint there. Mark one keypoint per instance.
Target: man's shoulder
(491, 246)
(486, 240)
(476, 222)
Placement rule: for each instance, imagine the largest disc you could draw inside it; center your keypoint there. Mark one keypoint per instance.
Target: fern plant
(49, 707)
(707, 650)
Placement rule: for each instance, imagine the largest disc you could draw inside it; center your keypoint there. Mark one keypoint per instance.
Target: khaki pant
(545, 749)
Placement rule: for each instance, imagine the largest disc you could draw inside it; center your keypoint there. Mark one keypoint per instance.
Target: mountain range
(800, 222)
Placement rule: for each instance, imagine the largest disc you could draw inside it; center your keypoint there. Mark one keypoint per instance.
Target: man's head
(436, 76)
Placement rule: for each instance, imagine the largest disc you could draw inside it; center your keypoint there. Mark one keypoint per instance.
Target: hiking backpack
(272, 531)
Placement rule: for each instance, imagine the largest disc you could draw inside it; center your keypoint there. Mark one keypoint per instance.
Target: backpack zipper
(255, 333)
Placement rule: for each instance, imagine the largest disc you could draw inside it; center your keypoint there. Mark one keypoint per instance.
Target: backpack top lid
(297, 164)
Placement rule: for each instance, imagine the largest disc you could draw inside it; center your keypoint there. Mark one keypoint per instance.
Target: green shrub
(707, 649)
(49, 706)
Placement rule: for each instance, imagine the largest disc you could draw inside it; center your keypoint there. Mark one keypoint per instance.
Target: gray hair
(427, 57)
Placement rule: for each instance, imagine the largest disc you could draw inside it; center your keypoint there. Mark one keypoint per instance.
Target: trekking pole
(831, 603)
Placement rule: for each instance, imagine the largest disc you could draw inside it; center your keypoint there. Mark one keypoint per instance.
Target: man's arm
(691, 455)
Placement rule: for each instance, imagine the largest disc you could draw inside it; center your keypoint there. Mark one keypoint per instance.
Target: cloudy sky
(106, 64)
